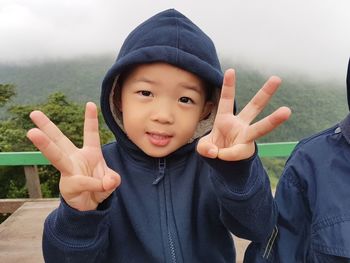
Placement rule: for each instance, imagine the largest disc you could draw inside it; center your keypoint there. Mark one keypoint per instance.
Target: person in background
(313, 201)
(183, 172)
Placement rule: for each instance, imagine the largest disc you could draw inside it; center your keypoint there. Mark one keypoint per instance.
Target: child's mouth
(159, 139)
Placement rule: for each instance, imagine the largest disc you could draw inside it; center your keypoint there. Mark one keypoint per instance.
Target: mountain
(315, 105)
(79, 78)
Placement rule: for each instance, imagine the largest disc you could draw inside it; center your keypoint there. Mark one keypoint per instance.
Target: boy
(313, 201)
(179, 197)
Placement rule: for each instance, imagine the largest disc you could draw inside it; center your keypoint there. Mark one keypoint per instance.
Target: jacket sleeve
(243, 189)
(300, 234)
(290, 238)
(74, 236)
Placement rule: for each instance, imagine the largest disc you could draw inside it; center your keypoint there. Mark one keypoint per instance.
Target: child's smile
(159, 139)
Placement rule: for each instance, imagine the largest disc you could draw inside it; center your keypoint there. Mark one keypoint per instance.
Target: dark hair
(209, 92)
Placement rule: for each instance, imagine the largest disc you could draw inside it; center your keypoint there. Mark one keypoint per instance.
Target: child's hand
(85, 178)
(232, 137)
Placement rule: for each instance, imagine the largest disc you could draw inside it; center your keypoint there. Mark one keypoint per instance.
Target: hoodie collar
(345, 128)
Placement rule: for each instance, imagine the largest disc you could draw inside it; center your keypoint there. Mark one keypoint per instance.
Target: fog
(307, 37)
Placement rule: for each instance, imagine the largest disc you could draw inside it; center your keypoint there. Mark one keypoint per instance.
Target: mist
(301, 37)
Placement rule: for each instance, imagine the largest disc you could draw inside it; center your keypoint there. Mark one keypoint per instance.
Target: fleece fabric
(180, 208)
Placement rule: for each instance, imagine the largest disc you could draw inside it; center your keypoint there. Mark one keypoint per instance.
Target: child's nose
(163, 113)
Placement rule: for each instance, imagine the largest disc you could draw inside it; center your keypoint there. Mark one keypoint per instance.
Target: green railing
(30, 161)
(277, 149)
(22, 159)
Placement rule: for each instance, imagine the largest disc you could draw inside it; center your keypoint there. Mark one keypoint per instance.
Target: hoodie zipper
(170, 238)
(161, 168)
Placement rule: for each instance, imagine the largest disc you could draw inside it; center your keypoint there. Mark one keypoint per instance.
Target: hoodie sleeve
(289, 240)
(246, 204)
(74, 236)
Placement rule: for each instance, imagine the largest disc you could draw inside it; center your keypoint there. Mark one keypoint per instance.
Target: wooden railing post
(32, 181)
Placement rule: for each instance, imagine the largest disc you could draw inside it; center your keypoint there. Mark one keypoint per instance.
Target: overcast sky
(307, 36)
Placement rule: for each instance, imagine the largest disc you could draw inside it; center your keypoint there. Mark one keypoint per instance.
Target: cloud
(307, 36)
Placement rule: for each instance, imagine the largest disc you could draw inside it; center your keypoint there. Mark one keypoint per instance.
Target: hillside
(315, 105)
(79, 79)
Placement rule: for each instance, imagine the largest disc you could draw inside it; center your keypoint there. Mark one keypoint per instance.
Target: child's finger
(111, 180)
(80, 183)
(237, 152)
(52, 131)
(268, 124)
(91, 133)
(227, 96)
(50, 150)
(207, 149)
(260, 100)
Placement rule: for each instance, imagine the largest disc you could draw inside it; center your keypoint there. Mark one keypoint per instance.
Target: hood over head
(168, 37)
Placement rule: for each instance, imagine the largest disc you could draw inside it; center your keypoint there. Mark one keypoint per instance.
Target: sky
(302, 36)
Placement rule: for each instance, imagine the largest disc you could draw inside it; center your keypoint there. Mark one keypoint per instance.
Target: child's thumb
(207, 149)
(111, 181)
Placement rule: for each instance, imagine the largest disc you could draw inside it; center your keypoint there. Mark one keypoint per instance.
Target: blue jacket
(180, 208)
(314, 203)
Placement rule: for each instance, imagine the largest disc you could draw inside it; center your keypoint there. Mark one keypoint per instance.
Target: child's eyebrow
(191, 86)
(144, 79)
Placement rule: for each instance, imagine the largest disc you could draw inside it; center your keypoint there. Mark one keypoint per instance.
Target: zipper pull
(161, 167)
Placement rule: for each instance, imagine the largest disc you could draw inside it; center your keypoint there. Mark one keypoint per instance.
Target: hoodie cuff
(77, 228)
(239, 179)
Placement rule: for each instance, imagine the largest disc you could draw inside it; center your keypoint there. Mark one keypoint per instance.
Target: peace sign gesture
(232, 137)
(85, 178)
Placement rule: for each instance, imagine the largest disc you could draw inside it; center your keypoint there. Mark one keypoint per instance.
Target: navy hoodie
(180, 208)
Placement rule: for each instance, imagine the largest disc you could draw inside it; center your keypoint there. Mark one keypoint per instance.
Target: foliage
(12, 182)
(68, 116)
(7, 91)
(274, 168)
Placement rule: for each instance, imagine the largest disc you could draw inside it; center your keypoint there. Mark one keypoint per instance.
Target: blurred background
(54, 54)
(309, 37)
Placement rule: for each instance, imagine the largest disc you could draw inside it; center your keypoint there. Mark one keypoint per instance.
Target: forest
(61, 88)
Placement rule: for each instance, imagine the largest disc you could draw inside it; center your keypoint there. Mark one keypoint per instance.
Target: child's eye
(186, 100)
(145, 93)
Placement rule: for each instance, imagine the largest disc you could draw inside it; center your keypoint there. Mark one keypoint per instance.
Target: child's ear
(209, 105)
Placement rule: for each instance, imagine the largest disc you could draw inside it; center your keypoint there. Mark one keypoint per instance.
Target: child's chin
(159, 152)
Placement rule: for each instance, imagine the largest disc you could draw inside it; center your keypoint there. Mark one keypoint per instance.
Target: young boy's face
(161, 106)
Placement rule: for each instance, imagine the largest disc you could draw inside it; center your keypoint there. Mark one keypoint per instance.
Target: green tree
(274, 168)
(7, 91)
(67, 115)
